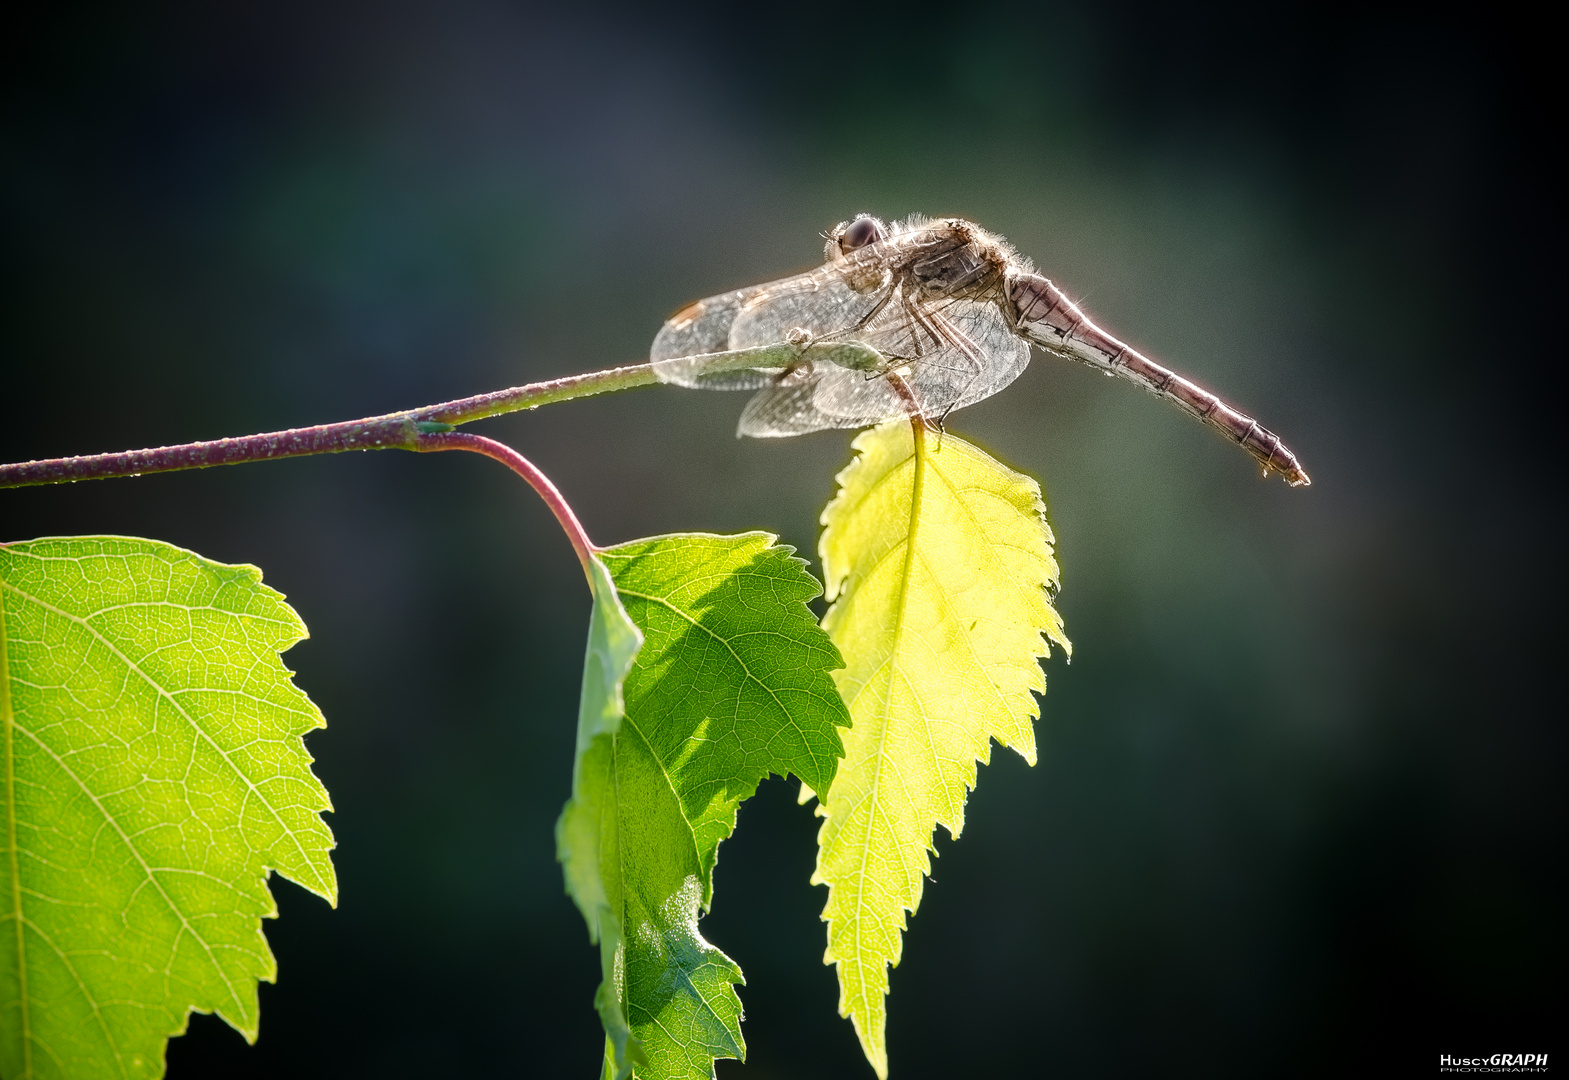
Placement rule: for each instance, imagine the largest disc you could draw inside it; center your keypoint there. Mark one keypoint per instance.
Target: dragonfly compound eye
(862, 231)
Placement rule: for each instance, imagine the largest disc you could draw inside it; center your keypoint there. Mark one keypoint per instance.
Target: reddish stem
(394, 431)
(498, 451)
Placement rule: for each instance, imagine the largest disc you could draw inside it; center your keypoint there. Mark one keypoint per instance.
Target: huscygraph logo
(1496, 1063)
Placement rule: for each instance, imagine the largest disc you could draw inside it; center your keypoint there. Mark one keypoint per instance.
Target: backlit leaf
(732, 683)
(938, 560)
(588, 836)
(153, 773)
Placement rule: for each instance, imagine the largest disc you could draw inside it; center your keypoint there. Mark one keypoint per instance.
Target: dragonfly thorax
(963, 261)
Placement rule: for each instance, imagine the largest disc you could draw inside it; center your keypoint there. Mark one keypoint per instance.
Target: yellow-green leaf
(938, 559)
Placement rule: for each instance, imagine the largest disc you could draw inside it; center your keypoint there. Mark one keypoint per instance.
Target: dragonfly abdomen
(1051, 320)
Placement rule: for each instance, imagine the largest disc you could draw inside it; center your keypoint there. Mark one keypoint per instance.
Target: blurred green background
(1300, 802)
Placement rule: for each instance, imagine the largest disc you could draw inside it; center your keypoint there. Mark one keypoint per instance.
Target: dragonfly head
(847, 236)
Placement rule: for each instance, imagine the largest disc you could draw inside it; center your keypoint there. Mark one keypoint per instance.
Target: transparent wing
(794, 405)
(785, 408)
(836, 302)
(695, 331)
(973, 330)
(951, 353)
(825, 305)
(821, 303)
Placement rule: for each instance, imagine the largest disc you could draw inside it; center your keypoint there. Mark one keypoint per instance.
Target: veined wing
(817, 304)
(955, 352)
(695, 331)
(848, 298)
(969, 354)
(987, 329)
(950, 351)
(828, 304)
(822, 304)
(785, 408)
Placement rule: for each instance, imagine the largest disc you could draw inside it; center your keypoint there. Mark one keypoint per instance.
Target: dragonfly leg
(865, 320)
(944, 333)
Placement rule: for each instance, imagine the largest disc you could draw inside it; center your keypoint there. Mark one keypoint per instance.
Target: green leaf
(938, 559)
(732, 683)
(153, 773)
(588, 836)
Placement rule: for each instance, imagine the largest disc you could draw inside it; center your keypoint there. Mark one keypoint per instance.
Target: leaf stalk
(500, 451)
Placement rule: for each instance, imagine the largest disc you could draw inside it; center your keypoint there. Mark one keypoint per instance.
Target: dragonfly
(911, 319)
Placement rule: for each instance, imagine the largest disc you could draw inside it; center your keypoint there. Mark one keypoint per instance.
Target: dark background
(1300, 803)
